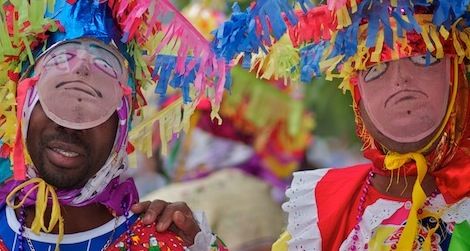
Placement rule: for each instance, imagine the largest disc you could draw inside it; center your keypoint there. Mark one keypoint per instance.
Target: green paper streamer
(460, 240)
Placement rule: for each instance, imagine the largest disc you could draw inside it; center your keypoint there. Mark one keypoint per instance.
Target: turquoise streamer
(5, 169)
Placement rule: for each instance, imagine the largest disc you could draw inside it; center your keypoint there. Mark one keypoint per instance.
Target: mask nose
(83, 69)
(403, 79)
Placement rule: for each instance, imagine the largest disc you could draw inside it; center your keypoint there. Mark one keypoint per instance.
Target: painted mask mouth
(404, 95)
(80, 86)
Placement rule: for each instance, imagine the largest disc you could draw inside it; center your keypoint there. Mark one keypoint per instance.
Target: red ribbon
(19, 166)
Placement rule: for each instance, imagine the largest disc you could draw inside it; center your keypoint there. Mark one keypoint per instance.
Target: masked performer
(72, 74)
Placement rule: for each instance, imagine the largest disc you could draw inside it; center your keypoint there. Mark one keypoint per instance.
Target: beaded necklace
(360, 209)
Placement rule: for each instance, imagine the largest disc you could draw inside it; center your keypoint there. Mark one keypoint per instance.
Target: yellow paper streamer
(437, 42)
(45, 192)
(466, 40)
(281, 62)
(281, 243)
(330, 64)
(444, 33)
(171, 120)
(458, 48)
(375, 57)
(394, 161)
(426, 38)
(344, 20)
(353, 4)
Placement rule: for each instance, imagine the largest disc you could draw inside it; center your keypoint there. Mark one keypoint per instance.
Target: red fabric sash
(337, 196)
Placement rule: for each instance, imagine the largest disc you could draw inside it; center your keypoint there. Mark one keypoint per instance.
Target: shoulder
(308, 193)
(339, 180)
(306, 184)
(146, 237)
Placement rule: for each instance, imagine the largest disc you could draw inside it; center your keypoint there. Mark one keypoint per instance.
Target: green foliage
(333, 111)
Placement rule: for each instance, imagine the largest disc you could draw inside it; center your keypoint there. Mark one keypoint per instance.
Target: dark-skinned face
(68, 158)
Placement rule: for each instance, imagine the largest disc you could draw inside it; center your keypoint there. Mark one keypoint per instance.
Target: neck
(76, 219)
(403, 187)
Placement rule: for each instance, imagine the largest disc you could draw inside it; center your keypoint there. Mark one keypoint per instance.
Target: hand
(176, 217)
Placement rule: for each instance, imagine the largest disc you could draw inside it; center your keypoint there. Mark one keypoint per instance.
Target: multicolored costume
(339, 209)
(149, 42)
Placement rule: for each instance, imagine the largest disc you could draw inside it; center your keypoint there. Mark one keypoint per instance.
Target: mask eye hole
(375, 72)
(59, 59)
(424, 60)
(105, 67)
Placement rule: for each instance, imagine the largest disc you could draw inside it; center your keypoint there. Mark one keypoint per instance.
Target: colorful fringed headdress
(343, 37)
(160, 45)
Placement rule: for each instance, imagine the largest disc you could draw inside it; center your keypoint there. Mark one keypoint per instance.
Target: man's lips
(66, 147)
(68, 154)
(65, 155)
(404, 95)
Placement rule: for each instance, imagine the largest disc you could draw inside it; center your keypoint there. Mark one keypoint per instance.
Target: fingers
(178, 209)
(176, 216)
(180, 219)
(166, 218)
(140, 207)
(185, 226)
(154, 209)
(186, 222)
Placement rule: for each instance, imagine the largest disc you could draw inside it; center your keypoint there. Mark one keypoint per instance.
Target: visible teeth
(65, 153)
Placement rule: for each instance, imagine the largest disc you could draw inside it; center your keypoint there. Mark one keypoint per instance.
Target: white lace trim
(302, 211)
(373, 216)
(458, 212)
(204, 239)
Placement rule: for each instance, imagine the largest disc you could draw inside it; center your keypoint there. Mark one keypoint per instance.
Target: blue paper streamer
(164, 69)
(446, 12)
(449, 10)
(85, 18)
(309, 61)
(238, 35)
(272, 10)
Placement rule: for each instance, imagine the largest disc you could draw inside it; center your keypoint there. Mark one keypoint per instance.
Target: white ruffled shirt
(303, 215)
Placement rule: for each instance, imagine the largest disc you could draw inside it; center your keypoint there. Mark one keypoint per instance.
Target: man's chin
(59, 184)
(62, 181)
